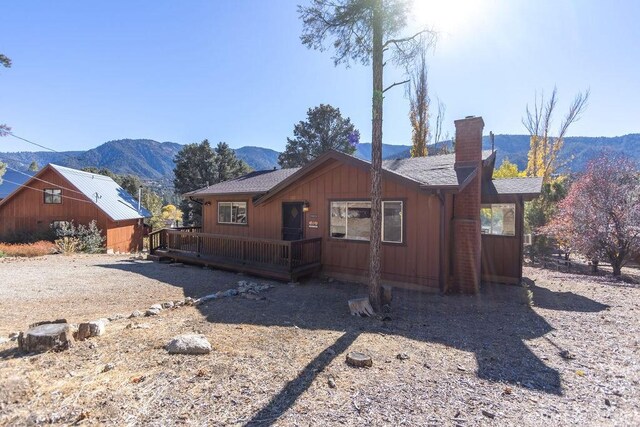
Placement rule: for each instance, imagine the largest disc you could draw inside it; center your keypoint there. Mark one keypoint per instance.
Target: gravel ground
(492, 359)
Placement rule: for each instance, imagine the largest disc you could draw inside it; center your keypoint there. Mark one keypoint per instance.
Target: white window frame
(49, 193)
(231, 205)
(346, 226)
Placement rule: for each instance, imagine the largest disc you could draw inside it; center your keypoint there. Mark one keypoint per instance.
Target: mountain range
(152, 160)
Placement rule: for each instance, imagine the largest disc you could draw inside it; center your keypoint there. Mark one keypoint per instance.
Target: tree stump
(361, 307)
(51, 336)
(359, 360)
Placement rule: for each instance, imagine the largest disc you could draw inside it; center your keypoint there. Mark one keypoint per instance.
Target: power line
(43, 191)
(46, 182)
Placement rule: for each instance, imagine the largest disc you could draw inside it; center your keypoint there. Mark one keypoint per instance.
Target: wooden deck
(277, 259)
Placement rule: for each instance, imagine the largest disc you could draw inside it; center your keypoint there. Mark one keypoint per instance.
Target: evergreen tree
(33, 167)
(324, 129)
(366, 31)
(227, 165)
(195, 168)
(198, 166)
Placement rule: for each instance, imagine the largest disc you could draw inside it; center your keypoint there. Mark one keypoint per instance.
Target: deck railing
(275, 254)
(158, 238)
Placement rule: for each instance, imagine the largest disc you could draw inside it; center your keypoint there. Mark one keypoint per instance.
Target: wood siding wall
(414, 262)
(502, 256)
(26, 212)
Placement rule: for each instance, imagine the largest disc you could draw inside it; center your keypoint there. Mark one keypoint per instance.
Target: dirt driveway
(491, 359)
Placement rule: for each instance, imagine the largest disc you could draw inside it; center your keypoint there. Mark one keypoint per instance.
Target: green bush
(72, 239)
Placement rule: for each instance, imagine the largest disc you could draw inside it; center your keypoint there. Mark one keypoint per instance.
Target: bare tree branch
(395, 84)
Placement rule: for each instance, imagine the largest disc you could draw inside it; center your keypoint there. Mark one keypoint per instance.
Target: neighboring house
(57, 194)
(12, 180)
(446, 223)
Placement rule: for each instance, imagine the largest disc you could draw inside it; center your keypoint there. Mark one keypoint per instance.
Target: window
(498, 219)
(52, 196)
(352, 220)
(232, 212)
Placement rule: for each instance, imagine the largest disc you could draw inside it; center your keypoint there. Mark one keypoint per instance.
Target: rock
(253, 296)
(331, 382)
(14, 336)
(151, 312)
(136, 313)
(567, 355)
(50, 336)
(189, 344)
(607, 402)
(156, 307)
(402, 356)
(207, 298)
(168, 304)
(110, 251)
(178, 303)
(189, 301)
(488, 414)
(108, 367)
(90, 329)
(4, 340)
(359, 360)
(116, 317)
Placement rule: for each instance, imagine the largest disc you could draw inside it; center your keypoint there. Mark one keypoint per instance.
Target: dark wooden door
(292, 221)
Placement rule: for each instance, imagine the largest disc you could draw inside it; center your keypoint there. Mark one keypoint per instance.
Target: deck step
(159, 258)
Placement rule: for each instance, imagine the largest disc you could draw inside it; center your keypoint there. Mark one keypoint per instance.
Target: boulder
(189, 344)
(116, 317)
(168, 304)
(156, 307)
(50, 336)
(90, 329)
(152, 312)
(136, 313)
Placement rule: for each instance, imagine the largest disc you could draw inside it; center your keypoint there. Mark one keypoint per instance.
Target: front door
(292, 221)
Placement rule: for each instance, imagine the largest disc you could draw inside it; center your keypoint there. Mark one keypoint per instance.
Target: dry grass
(40, 248)
(470, 358)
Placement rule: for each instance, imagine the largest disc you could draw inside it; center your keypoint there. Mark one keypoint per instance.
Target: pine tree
(324, 129)
(364, 31)
(227, 165)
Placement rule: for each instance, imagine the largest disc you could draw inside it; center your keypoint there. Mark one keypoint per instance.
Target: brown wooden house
(446, 222)
(60, 194)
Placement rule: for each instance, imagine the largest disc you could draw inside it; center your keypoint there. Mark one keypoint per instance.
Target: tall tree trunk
(376, 159)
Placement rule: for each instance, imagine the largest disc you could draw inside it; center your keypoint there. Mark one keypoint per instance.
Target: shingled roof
(257, 182)
(529, 186)
(427, 172)
(433, 171)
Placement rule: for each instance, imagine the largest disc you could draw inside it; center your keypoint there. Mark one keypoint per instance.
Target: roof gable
(101, 190)
(112, 199)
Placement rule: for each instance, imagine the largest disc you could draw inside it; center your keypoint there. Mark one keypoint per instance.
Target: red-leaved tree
(600, 217)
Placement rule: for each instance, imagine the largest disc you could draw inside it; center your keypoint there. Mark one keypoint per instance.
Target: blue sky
(88, 72)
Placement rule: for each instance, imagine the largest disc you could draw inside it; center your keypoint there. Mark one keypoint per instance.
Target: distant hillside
(148, 159)
(576, 153)
(259, 158)
(152, 160)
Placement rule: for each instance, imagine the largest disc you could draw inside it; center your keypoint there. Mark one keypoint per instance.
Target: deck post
(289, 244)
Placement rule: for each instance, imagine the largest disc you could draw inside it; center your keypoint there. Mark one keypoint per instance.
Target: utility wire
(43, 191)
(46, 182)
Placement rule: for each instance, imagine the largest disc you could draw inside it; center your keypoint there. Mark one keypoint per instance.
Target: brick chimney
(466, 218)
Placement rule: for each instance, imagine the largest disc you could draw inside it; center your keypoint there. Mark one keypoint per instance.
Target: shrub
(29, 236)
(72, 239)
(27, 249)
